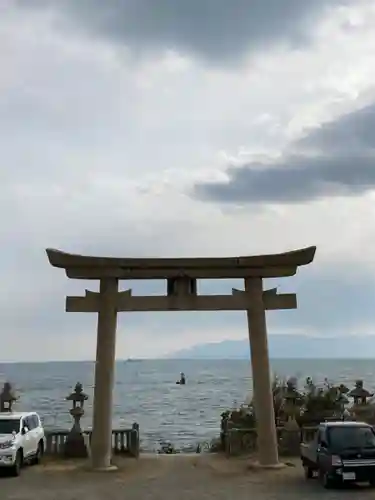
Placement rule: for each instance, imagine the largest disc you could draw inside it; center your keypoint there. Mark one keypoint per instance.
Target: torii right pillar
(262, 385)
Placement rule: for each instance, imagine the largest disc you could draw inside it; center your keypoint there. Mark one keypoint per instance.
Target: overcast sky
(200, 128)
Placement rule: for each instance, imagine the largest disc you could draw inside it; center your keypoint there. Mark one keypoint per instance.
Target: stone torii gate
(181, 276)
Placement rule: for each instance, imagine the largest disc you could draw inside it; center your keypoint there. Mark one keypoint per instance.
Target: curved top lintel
(64, 260)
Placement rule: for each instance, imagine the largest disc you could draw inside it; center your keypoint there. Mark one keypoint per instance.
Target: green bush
(309, 407)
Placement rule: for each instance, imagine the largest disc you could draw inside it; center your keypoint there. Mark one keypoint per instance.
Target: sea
(146, 392)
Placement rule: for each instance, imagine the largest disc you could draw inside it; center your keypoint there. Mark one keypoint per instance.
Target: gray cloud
(351, 133)
(216, 30)
(336, 159)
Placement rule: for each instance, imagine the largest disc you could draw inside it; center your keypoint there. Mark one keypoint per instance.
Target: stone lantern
(359, 393)
(362, 410)
(292, 398)
(342, 401)
(342, 389)
(291, 436)
(75, 445)
(7, 398)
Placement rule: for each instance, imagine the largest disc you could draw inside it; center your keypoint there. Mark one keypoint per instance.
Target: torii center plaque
(181, 277)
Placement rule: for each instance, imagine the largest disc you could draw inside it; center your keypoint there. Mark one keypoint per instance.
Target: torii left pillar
(101, 441)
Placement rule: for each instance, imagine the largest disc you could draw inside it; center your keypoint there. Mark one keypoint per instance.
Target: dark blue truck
(341, 452)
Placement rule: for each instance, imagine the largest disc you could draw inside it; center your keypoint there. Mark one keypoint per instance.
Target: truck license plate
(348, 476)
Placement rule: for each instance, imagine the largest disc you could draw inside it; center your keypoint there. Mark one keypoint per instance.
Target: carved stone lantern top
(342, 389)
(359, 393)
(291, 392)
(7, 397)
(77, 396)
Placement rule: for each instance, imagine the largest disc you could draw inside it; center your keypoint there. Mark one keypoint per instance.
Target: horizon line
(199, 358)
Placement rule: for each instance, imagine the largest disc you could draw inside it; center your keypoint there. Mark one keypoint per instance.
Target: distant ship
(133, 360)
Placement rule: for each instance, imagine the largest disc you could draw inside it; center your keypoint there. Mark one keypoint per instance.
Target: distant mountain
(286, 346)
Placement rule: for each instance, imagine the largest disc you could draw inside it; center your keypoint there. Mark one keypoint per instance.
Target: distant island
(286, 346)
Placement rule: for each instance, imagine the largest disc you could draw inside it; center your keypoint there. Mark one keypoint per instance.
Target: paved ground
(195, 477)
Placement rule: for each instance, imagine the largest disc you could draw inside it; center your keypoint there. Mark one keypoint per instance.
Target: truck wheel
(16, 469)
(308, 472)
(326, 481)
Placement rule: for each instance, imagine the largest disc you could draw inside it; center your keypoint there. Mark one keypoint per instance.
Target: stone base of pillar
(258, 465)
(110, 468)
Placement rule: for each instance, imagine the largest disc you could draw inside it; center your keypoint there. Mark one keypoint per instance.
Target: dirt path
(197, 477)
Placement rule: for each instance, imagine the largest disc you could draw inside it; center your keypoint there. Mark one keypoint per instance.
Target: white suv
(21, 440)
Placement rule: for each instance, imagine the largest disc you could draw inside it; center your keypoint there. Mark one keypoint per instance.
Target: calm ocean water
(145, 392)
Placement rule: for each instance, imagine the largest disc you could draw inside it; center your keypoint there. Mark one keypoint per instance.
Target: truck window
(35, 421)
(351, 437)
(316, 437)
(8, 426)
(321, 436)
(29, 422)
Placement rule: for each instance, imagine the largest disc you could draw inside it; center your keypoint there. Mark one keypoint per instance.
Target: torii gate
(181, 276)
